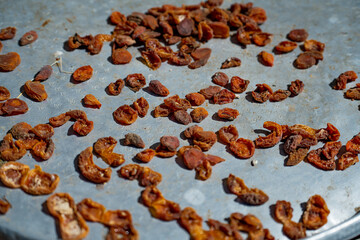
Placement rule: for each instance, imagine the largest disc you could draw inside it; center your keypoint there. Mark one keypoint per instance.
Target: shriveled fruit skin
(9, 61)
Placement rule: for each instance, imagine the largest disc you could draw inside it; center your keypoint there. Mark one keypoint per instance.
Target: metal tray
(336, 23)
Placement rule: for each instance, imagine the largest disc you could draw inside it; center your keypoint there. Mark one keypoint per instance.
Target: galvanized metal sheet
(336, 23)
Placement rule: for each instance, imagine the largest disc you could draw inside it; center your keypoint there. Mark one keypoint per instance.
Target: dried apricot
(296, 87)
(7, 33)
(9, 61)
(44, 73)
(205, 32)
(182, 117)
(43, 131)
(203, 171)
(152, 59)
(283, 211)
(261, 38)
(37, 182)
(120, 56)
(141, 106)
(13, 106)
(116, 87)
(146, 156)
(266, 58)
(210, 91)
(156, 87)
(228, 114)
(258, 14)
(343, 79)
(315, 215)
(220, 29)
(195, 99)
(224, 97)
(231, 62)
(176, 103)
(170, 142)
(130, 171)
(314, 157)
(91, 210)
(262, 93)
(243, 148)
(59, 120)
(10, 150)
(135, 81)
(204, 139)
(125, 115)
(220, 78)
(35, 90)
(199, 114)
(313, 45)
(91, 101)
(149, 177)
(28, 38)
(104, 147)
(298, 35)
(83, 73)
(43, 149)
(189, 132)
(83, 127)
(285, 46)
(228, 134)
(4, 93)
(162, 111)
(238, 85)
(193, 158)
(4, 206)
(346, 160)
(279, 95)
(11, 173)
(132, 139)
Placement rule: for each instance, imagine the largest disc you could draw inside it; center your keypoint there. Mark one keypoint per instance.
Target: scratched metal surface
(333, 22)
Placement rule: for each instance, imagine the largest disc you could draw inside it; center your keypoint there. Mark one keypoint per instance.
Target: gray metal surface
(336, 23)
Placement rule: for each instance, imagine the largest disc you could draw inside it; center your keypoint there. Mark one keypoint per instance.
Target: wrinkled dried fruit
(83, 127)
(44, 73)
(132, 139)
(353, 93)
(130, 171)
(104, 148)
(43, 149)
(135, 81)
(11, 173)
(292, 143)
(243, 36)
(59, 120)
(28, 38)
(331, 149)
(238, 85)
(279, 95)
(91, 210)
(228, 114)
(258, 14)
(180, 59)
(305, 61)
(181, 116)
(170, 142)
(313, 45)
(346, 160)
(163, 152)
(262, 93)
(21, 130)
(4, 93)
(201, 56)
(220, 29)
(199, 114)
(156, 87)
(7, 33)
(185, 27)
(43, 131)
(160, 207)
(243, 148)
(115, 88)
(91, 101)
(203, 171)
(265, 58)
(224, 97)
(162, 111)
(315, 215)
(283, 211)
(204, 139)
(228, 134)
(192, 222)
(10, 150)
(149, 177)
(205, 32)
(72, 225)
(76, 114)
(141, 106)
(152, 59)
(83, 73)
(193, 158)
(13, 106)
(146, 156)
(343, 79)
(117, 18)
(35, 90)
(294, 230)
(91, 171)
(261, 38)
(189, 132)
(314, 157)
(9, 61)
(120, 56)
(125, 115)
(285, 46)
(334, 133)
(210, 91)
(296, 87)
(195, 99)
(298, 35)
(4, 206)
(37, 182)
(220, 78)
(176, 103)
(231, 62)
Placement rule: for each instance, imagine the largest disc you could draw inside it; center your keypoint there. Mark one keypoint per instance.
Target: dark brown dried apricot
(125, 115)
(346, 160)
(62, 207)
(294, 230)
(141, 106)
(59, 120)
(7, 33)
(224, 97)
(135, 81)
(220, 78)
(220, 29)
(170, 142)
(132, 139)
(243, 148)
(185, 27)
(296, 87)
(314, 45)
(9, 61)
(279, 95)
(43, 149)
(152, 59)
(43, 131)
(83, 127)
(146, 155)
(91, 210)
(37, 182)
(262, 93)
(238, 85)
(91, 101)
(304, 61)
(156, 87)
(120, 56)
(228, 134)
(201, 56)
(199, 114)
(12, 172)
(13, 106)
(231, 62)
(4, 93)
(228, 114)
(91, 171)
(285, 46)
(115, 88)
(83, 73)
(297, 156)
(210, 91)
(181, 116)
(195, 99)
(261, 38)
(298, 35)
(343, 79)
(44, 73)
(35, 90)
(205, 32)
(266, 59)
(28, 38)
(315, 215)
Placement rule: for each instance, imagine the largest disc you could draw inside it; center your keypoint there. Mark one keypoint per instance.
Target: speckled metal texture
(336, 23)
